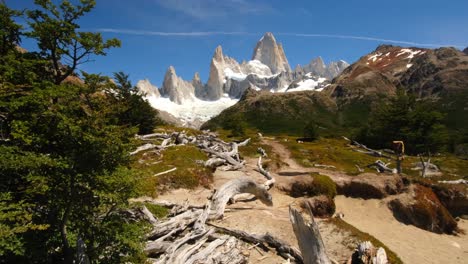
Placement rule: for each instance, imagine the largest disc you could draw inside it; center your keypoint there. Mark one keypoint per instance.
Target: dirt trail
(413, 245)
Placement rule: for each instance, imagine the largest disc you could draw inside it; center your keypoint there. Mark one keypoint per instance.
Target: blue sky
(333, 29)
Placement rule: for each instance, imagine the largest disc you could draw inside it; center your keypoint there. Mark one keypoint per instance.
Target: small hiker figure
(399, 148)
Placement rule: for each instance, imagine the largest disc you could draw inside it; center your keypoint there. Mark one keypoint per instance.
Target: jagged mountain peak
(145, 87)
(176, 88)
(196, 77)
(171, 71)
(272, 54)
(218, 54)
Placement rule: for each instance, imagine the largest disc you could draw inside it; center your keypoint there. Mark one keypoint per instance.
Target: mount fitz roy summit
(193, 103)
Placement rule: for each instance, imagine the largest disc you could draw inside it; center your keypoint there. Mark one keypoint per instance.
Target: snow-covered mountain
(193, 102)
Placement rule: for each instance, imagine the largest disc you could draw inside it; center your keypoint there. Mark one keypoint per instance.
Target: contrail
(170, 34)
(241, 33)
(369, 39)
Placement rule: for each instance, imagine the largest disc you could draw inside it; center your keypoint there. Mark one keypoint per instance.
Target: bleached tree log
(309, 238)
(226, 156)
(369, 151)
(174, 224)
(324, 166)
(204, 254)
(143, 148)
(244, 143)
(459, 181)
(262, 241)
(366, 253)
(154, 135)
(262, 152)
(214, 162)
(233, 187)
(164, 172)
(270, 180)
(382, 167)
(148, 215)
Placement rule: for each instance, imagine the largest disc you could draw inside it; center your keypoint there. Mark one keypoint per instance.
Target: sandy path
(257, 218)
(412, 244)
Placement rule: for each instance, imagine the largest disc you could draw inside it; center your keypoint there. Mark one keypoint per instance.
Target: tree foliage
(64, 163)
(57, 33)
(417, 123)
(311, 131)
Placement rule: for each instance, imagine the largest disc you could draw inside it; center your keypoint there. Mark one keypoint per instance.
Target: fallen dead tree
(188, 237)
(459, 181)
(367, 150)
(382, 167)
(220, 153)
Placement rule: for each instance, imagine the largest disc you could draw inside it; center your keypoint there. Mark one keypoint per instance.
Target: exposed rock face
(198, 85)
(176, 88)
(465, 51)
(271, 54)
(330, 71)
(424, 72)
(220, 65)
(145, 87)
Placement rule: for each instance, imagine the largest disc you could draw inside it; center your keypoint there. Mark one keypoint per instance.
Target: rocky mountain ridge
(439, 75)
(268, 70)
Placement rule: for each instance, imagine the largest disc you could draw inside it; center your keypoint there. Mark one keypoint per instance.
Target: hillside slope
(439, 75)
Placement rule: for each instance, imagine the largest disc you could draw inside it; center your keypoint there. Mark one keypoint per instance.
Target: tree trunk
(309, 239)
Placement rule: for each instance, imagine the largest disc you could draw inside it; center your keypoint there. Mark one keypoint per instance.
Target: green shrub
(322, 184)
(318, 185)
(311, 131)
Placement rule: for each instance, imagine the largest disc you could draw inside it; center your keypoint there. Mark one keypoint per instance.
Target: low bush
(318, 185)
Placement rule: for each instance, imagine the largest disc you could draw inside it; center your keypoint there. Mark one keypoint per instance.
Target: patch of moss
(189, 174)
(322, 184)
(317, 185)
(328, 151)
(157, 210)
(363, 236)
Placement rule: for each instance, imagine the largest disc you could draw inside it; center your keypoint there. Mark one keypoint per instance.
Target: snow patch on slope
(189, 112)
(411, 53)
(308, 85)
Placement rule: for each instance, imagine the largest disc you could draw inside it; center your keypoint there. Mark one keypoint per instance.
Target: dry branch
(165, 172)
(283, 249)
(270, 180)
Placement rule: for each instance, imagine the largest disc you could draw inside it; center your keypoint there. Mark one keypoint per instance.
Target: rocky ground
(412, 244)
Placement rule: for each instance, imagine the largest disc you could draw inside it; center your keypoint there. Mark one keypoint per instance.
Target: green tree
(311, 131)
(57, 33)
(64, 163)
(416, 122)
(10, 36)
(138, 112)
